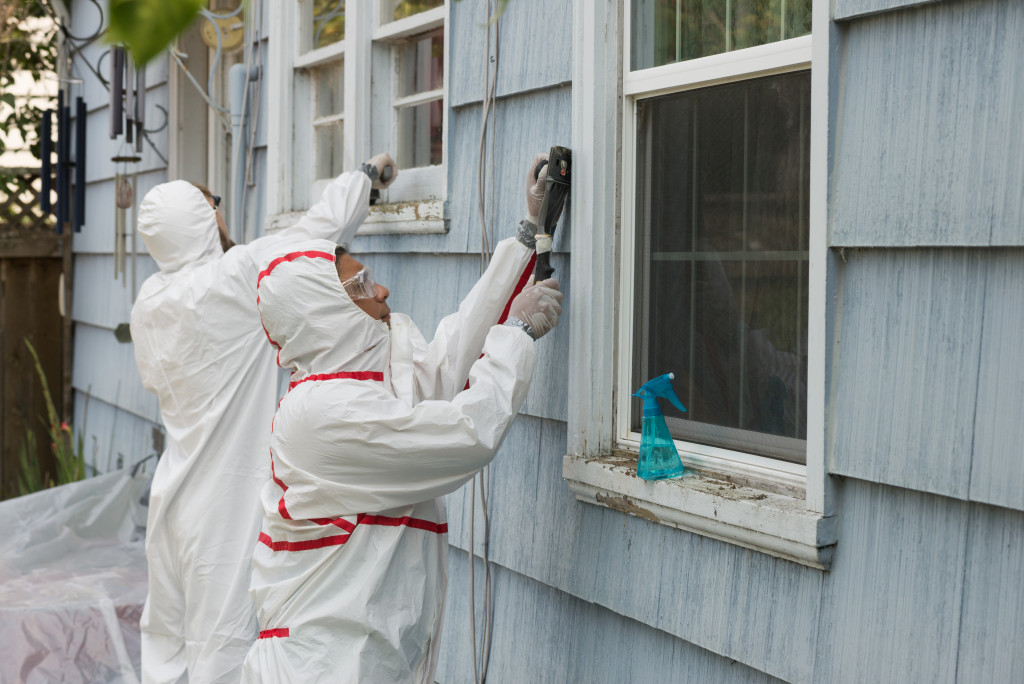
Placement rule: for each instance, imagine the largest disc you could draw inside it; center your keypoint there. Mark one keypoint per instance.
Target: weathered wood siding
(849, 9)
(927, 128)
(718, 596)
(112, 411)
(546, 636)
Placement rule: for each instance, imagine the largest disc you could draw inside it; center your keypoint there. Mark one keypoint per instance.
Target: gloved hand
(538, 306)
(381, 169)
(535, 187)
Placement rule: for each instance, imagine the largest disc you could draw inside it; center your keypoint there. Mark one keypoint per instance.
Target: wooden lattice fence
(20, 202)
(33, 262)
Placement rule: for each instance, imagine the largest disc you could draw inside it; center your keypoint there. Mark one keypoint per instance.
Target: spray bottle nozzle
(655, 388)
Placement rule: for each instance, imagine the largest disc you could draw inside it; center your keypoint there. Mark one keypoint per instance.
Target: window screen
(722, 259)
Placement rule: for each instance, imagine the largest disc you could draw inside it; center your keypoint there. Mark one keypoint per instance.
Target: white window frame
(186, 145)
(414, 204)
(766, 504)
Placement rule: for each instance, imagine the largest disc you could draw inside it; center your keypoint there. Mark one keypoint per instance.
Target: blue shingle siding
(927, 128)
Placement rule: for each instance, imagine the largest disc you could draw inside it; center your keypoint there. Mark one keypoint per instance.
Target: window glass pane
(667, 31)
(330, 89)
(721, 270)
(329, 141)
(326, 23)
(400, 9)
(421, 64)
(419, 134)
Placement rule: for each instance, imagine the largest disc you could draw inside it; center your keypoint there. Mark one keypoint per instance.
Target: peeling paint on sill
(709, 505)
(624, 505)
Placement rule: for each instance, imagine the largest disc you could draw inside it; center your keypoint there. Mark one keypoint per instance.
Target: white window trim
(395, 217)
(430, 181)
(779, 508)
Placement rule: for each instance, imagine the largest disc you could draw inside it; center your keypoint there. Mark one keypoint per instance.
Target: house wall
(112, 411)
(925, 380)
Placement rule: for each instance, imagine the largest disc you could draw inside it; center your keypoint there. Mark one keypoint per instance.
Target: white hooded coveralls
(349, 573)
(200, 347)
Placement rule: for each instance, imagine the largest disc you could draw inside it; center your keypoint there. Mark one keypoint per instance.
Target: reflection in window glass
(400, 9)
(421, 64)
(667, 31)
(419, 134)
(329, 147)
(722, 258)
(328, 22)
(330, 89)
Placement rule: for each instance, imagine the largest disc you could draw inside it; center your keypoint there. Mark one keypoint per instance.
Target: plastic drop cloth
(73, 582)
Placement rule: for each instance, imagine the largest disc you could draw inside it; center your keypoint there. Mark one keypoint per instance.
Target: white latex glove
(535, 188)
(539, 306)
(381, 169)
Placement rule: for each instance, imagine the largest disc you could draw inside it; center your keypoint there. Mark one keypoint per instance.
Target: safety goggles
(361, 285)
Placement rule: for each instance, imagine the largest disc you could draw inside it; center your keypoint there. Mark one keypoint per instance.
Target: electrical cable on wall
(69, 41)
(486, 250)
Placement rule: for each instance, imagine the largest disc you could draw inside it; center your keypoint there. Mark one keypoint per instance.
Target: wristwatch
(514, 322)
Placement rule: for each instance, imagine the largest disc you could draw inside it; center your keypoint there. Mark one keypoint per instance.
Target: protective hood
(178, 225)
(311, 320)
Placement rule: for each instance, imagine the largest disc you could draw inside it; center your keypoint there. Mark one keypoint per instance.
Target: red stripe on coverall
(280, 632)
(305, 545)
(523, 278)
(519, 287)
(418, 523)
(361, 519)
(281, 508)
(343, 375)
(291, 256)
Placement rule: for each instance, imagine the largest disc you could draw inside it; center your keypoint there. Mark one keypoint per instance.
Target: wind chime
(127, 116)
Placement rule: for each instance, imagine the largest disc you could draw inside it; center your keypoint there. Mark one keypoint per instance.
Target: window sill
(397, 218)
(405, 218)
(707, 504)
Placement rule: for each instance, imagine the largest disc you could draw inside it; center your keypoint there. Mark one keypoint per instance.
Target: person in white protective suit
(200, 347)
(349, 573)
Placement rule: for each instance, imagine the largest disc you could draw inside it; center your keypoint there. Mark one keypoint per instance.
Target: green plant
(147, 27)
(28, 52)
(68, 453)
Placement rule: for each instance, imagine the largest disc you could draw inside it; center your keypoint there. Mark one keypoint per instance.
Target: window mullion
(418, 98)
(358, 29)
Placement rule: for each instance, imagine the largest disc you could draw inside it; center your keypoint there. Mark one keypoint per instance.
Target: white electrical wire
(486, 250)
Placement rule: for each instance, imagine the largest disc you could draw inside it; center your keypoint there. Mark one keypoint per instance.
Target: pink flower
(64, 427)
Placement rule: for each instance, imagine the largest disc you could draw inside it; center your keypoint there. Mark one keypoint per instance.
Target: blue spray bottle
(659, 459)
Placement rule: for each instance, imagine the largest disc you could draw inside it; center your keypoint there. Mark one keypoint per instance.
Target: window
(369, 77)
(704, 130)
(419, 100)
(718, 277)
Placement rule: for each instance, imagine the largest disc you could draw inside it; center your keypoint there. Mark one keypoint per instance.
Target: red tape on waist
(339, 539)
(280, 632)
(343, 375)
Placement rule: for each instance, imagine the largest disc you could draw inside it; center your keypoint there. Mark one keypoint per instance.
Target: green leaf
(8, 99)
(147, 27)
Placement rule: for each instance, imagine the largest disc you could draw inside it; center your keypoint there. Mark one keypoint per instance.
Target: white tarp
(73, 582)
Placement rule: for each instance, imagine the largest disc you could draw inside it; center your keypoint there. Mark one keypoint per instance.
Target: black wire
(106, 84)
